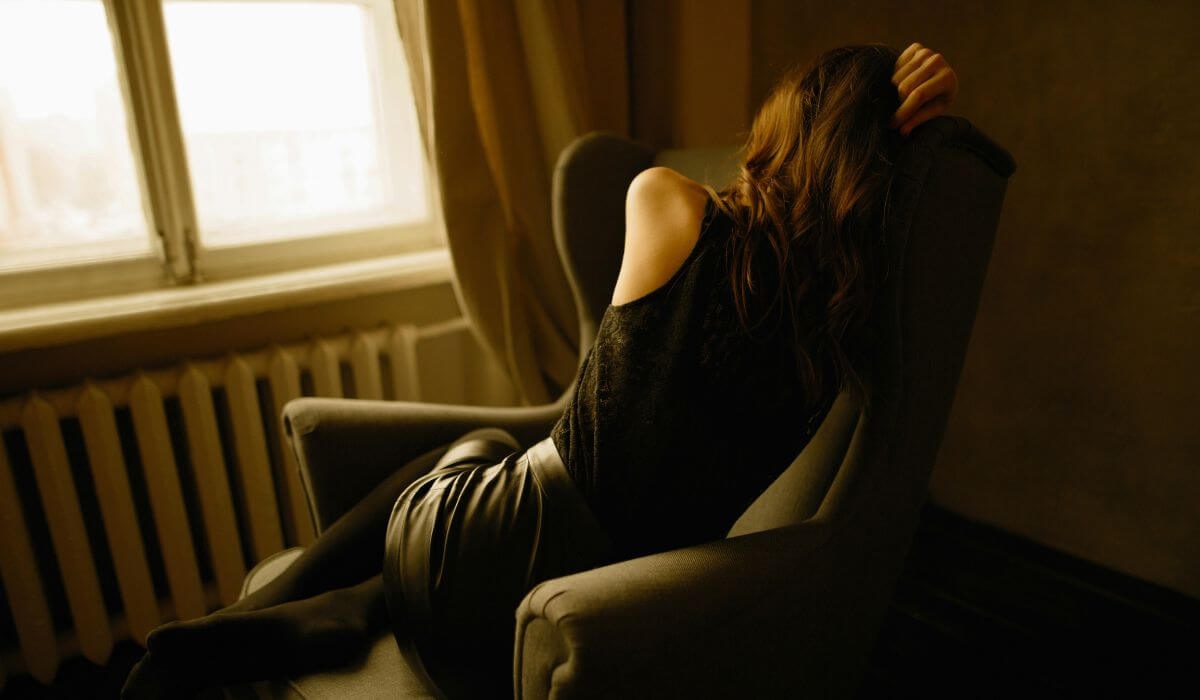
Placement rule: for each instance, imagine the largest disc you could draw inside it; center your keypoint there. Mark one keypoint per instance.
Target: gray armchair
(788, 604)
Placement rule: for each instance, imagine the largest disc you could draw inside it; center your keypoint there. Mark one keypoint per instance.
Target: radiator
(131, 501)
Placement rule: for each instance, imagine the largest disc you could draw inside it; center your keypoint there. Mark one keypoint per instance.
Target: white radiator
(128, 502)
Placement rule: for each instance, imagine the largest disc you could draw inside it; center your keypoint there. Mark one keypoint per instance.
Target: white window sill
(56, 324)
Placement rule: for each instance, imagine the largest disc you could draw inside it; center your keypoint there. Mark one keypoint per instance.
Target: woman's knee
(482, 444)
(497, 435)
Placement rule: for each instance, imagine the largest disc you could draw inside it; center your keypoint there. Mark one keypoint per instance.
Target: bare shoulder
(663, 213)
(663, 190)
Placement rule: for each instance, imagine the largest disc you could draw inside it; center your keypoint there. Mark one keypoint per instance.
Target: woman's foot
(227, 647)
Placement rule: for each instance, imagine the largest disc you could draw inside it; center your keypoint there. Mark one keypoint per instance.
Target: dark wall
(1076, 421)
(689, 70)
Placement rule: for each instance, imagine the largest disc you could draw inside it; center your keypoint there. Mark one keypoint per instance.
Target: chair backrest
(863, 478)
(943, 211)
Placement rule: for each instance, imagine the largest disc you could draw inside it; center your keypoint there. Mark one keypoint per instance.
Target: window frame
(177, 256)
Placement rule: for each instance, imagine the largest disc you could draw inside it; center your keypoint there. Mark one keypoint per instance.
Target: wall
(689, 71)
(1075, 421)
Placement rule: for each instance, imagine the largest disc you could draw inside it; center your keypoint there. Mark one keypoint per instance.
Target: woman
(735, 320)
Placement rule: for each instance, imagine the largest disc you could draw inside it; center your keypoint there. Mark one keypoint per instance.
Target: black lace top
(680, 418)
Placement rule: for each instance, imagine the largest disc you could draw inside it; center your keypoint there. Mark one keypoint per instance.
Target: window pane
(284, 109)
(68, 188)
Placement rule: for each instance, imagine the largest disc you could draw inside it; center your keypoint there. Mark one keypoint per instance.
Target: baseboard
(979, 612)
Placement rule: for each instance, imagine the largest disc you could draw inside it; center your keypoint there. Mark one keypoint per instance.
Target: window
(144, 144)
(68, 184)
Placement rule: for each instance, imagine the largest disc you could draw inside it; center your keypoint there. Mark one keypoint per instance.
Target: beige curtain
(502, 86)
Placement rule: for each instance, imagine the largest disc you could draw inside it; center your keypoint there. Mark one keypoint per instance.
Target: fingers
(939, 89)
(907, 53)
(911, 59)
(928, 68)
(924, 114)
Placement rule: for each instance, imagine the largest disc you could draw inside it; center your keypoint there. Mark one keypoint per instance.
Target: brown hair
(809, 202)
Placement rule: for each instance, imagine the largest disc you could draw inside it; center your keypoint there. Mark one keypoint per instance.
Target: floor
(981, 613)
(79, 679)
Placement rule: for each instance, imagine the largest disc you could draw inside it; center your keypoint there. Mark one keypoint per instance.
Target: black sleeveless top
(680, 418)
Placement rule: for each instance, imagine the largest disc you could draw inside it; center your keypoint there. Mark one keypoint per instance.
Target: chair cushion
(266, 570)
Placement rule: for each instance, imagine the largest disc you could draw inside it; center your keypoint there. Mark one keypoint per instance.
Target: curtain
(501, 87)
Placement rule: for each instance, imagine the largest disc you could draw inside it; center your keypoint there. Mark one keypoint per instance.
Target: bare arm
(663, 211)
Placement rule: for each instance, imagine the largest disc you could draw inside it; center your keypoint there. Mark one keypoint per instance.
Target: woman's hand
(927, 85)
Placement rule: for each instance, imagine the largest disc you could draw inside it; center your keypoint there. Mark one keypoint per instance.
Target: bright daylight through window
(68, 185)
(280, 119)
(217, 137)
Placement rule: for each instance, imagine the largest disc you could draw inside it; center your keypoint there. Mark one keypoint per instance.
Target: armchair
(789, 602)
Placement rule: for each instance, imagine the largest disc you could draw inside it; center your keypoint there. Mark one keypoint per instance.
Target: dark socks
(228, 647)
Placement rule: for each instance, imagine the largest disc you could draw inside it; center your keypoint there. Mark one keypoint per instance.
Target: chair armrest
(760, 615)
(344, 447)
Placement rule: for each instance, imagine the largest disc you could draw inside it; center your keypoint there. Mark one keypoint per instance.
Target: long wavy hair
(808, 209)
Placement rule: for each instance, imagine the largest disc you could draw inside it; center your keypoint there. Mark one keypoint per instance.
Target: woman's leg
(304, 635)
(351, 549)
(345, 553)
(323, 607)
